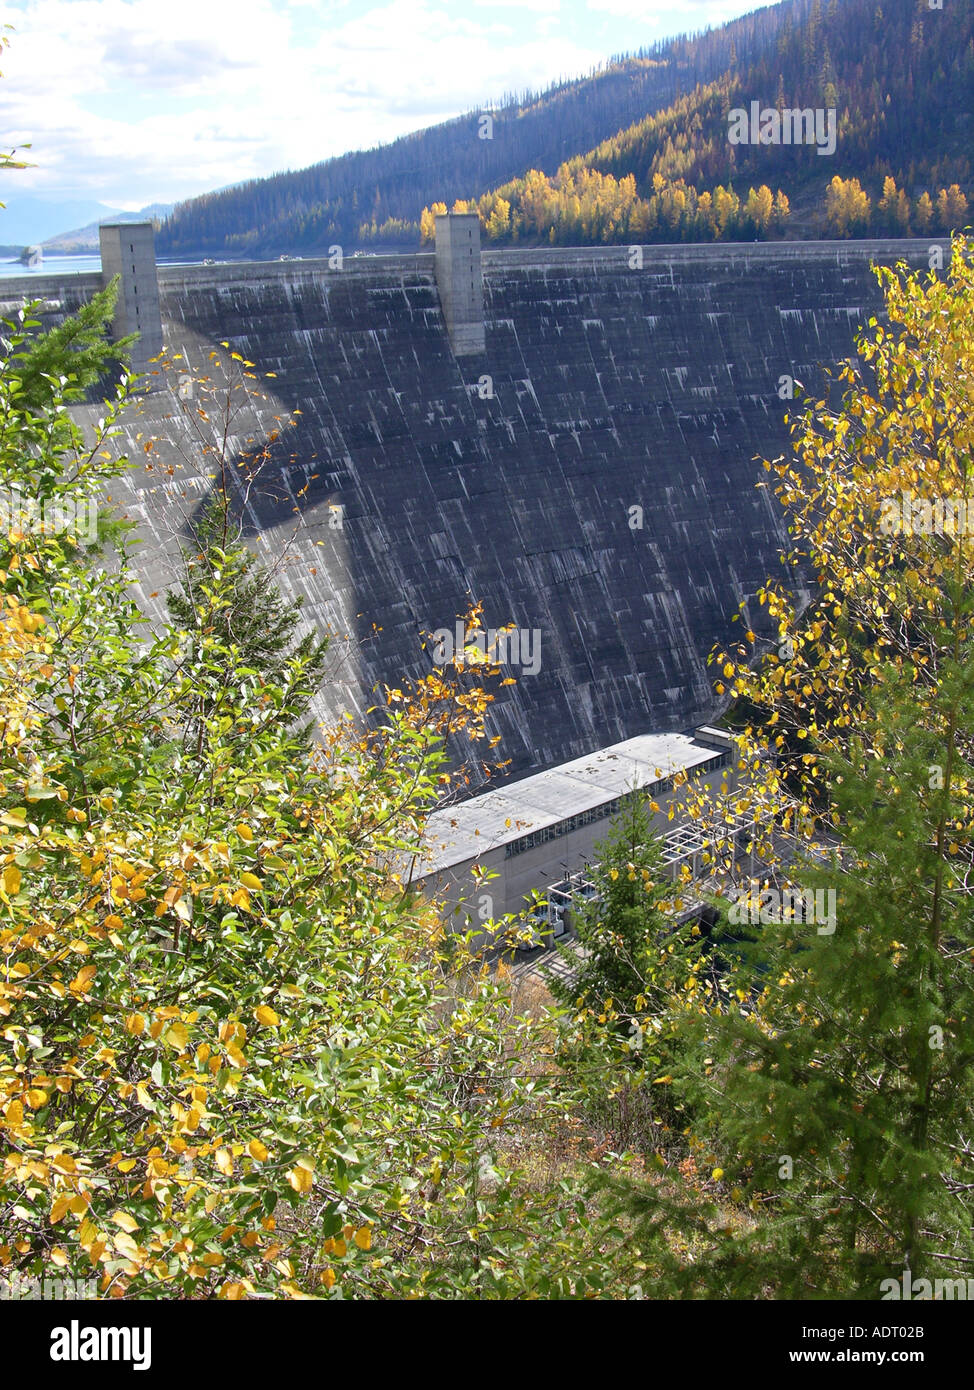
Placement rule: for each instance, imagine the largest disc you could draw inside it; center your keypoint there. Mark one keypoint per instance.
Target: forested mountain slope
(305, 210)
(640, 149)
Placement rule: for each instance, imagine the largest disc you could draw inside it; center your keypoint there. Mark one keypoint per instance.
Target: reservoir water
(58, 265)
(52, 265)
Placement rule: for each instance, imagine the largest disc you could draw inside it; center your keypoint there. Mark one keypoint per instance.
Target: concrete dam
(570, 436)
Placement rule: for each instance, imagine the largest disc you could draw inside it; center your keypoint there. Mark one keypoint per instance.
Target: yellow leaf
(58, 1210)
(177, 1035)
(36, 1098)
(127, 1223)
(301, 1179)
(83, 977)
(11, 879)
(251, 881)
(245, 832)
(266, 1015)
(363, 1238)
(135, 1023)
(257, 1150)
(224, 1162)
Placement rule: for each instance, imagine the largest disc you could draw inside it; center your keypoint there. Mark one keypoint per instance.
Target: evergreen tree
(79, 349)
(228, 601)
(634, 974)
(620, 928)
(834, 1095)
(43, 372)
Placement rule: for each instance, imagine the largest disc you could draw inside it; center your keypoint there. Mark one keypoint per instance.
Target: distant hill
(899, 75)
(29, 220)
(86, 238)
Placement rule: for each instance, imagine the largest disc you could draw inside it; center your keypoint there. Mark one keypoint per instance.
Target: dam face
(590, 475)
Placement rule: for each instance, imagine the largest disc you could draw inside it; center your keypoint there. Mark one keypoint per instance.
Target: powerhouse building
(535, 832)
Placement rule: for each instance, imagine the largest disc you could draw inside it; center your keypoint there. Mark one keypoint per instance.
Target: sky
(131, 102)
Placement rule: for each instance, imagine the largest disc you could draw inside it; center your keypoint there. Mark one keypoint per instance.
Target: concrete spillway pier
(128, 251)
(589, 472)
(459, 279)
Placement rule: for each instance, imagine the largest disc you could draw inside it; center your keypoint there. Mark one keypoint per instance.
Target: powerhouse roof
(470, 830)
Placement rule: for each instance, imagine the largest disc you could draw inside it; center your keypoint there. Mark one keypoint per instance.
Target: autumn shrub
(231, 1061)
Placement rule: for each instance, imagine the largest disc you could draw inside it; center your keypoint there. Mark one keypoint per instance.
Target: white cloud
(131, 101)
(536, 6)
(658, 15)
